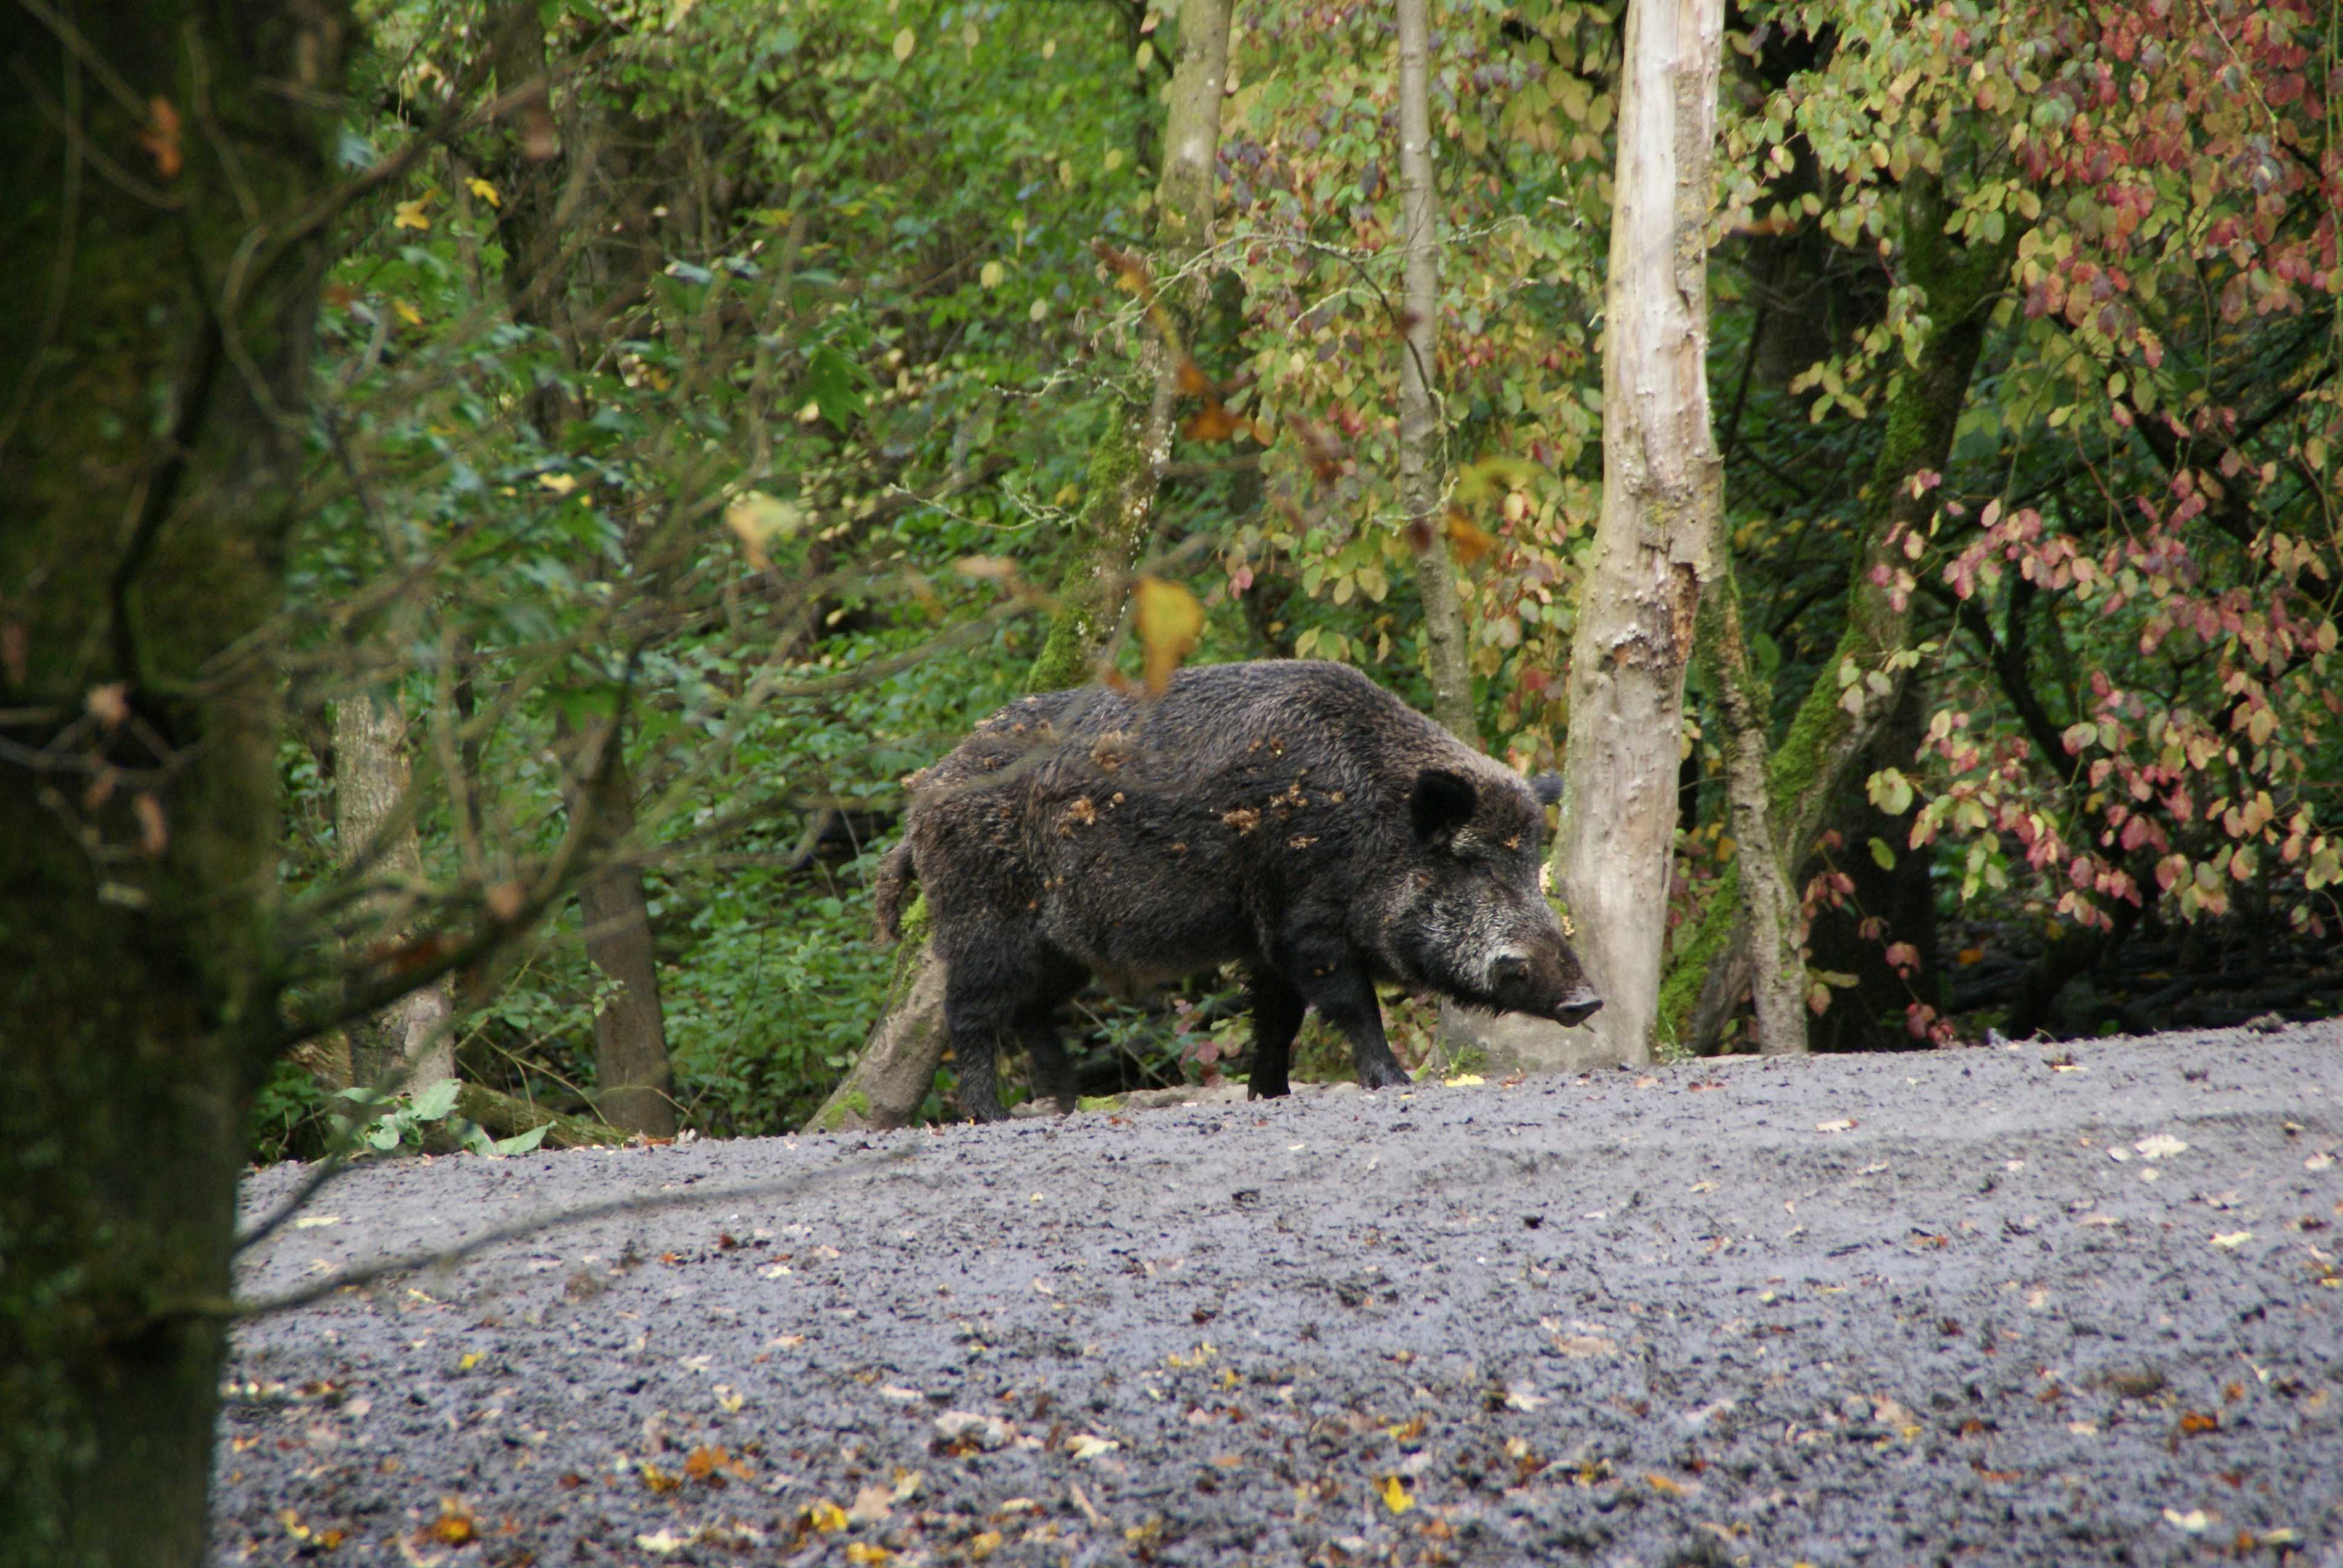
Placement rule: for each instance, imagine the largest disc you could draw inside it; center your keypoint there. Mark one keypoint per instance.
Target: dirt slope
(2015, 1305)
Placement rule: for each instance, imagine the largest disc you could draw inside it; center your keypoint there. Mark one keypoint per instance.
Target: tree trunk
(1422, 447)
(1845, 706)
(1778, 970)
(634, 1084)
(137, 782)
(892, 1077)
(409, 1042)
(1661, 497)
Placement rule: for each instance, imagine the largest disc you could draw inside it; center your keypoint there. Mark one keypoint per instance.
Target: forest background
(715, 408)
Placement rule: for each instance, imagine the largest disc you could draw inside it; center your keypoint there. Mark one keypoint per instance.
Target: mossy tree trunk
(1422, 447)
(891, 1079)
(1661, 495)
(177, 276)
(1859, 683)
(1777, 965)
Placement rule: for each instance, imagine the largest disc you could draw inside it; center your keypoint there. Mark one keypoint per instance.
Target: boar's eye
(1441, 804)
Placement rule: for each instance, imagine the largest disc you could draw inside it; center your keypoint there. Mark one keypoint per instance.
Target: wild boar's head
(1471, 923)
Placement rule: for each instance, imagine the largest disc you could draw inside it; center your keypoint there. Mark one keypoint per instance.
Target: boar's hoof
(1583, 1005)
(1384, 1075)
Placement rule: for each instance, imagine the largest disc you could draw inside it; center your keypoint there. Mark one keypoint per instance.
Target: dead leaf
(154, 833)
(2162, 1146)
(872, 1505)
(1090, 1445)
(1467, 539)
(454, 1526)
(1394, 1494)
(2233, 1240)
(1170, 620)
(161, 138)
(1844, 1124)
(759, 520)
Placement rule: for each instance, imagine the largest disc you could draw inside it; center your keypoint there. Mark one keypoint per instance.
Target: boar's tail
(893, 884)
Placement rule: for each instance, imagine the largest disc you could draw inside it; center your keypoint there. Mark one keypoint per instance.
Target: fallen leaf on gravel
(1518, 1396)
(2194, 1521)
(1844, 1124)
(1582, 1346)
(2162, 1146)
(901, 1396)
(825, 1516)
(1464, 1080)
(1394, 1494)
(311, 1221)
(2084, 1428)
(2317, 1163)
(659, 1481)
(1703, 1186)
(863, 1551)
(1090, 1445)
(664, 1543)
(2197, 1423)
(2233, 1240)
(983, 1546)
(1647, 1083)
(453, 1525)
(872, 1505)
(772, 1271)
(907, 1484)
(1666, 1486)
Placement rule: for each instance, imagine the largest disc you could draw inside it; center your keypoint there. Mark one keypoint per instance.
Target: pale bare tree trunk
(1660, 497)
(1422, 478)
(410, 1041)
(1780, 971)
(888, 1080)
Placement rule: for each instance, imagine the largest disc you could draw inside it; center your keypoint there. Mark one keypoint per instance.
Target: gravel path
(2030, 1304)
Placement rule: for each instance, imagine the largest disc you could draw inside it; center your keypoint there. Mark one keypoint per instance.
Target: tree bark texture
(152, 396)
(1847, 705)
(1422, 447)
(891, 1077)
(634, 1082)
(1661, 497)
(409, 1042)
(1778, 970)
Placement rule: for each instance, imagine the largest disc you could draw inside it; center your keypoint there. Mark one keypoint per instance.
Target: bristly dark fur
(1289, 817)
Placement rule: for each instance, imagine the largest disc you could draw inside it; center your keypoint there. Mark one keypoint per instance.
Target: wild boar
(1290, 817)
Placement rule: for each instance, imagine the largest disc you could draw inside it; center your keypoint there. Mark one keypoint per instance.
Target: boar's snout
(1578, 1007)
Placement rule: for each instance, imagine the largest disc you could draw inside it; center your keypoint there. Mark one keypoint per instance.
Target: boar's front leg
(1277, 1011)
(1338, 987)
(1003, 990)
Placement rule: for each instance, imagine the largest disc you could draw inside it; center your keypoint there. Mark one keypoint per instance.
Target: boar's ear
(1440, 802)
(1547, 787)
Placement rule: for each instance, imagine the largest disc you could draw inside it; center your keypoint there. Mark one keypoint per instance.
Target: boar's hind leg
(1277, 1009)
(1052, 1074)
(1345, 998)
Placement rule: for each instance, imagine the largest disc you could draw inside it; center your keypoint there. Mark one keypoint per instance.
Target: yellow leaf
(863, 1551)
(905, 42)
(826, 1516)
(484, 190)
(1170, 620)
(409, 213)
(1039, 312)
(559, 484)
(1090, 1445)
(1666, 1486)
(471, 1359)
(407, 312)
(2233, 1240)
(1113, 160)
(1048, 48)
(990, 275)
(1144, 57)
(1394, 1495)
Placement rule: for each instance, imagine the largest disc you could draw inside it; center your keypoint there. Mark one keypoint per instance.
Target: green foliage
(378, 1123)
